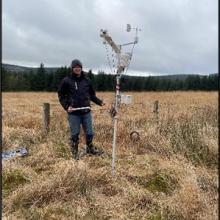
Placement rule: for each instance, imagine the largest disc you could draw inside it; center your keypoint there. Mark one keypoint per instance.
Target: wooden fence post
(156, 107)
(46, 117)
(156, 111)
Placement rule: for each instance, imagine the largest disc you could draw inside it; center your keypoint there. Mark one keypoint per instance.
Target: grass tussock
(169, 173)
(12, 179)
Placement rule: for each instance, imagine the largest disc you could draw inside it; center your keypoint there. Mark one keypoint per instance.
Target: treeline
(42, 80)
(191, 82)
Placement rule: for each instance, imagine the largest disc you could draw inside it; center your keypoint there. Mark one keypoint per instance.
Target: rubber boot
(75, 152)
(91, 150)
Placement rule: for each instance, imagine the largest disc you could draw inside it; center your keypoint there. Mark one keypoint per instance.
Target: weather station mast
(123, 62)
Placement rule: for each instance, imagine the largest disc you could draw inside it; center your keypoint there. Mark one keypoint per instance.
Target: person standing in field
(75, 93)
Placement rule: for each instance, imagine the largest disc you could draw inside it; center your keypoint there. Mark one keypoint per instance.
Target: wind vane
(123, 61)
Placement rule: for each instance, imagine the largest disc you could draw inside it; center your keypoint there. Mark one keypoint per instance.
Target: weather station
(123, 60)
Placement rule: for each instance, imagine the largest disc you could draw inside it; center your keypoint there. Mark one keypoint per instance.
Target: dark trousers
(75, 121)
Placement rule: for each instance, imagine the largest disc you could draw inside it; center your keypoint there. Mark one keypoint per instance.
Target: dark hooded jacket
(77, 91)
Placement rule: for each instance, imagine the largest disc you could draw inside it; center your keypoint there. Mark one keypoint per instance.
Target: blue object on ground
(15, 153)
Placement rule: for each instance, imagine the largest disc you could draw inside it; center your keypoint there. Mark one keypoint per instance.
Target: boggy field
(170, 173)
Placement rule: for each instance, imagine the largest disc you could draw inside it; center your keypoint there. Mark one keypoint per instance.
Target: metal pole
(114, 146)
(120, 69)
(115, 123)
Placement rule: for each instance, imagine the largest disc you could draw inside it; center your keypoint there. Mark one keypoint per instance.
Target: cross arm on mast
(109, 40)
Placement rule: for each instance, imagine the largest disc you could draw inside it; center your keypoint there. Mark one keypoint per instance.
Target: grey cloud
(178, 36)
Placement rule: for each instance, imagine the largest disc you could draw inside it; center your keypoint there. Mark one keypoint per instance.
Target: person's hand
(70, 109)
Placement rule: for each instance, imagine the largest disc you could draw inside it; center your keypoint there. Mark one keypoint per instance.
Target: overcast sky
(176, 37)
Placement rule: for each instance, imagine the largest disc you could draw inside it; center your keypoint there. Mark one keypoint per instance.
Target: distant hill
(177, 76)
(183, 76)
(20, 69)
(23, 69)
(15, 68)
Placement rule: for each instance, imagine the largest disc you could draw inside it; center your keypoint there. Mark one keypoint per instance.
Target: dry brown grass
(170, 173)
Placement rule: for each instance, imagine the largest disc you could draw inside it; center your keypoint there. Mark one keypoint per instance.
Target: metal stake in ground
(123, 62)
